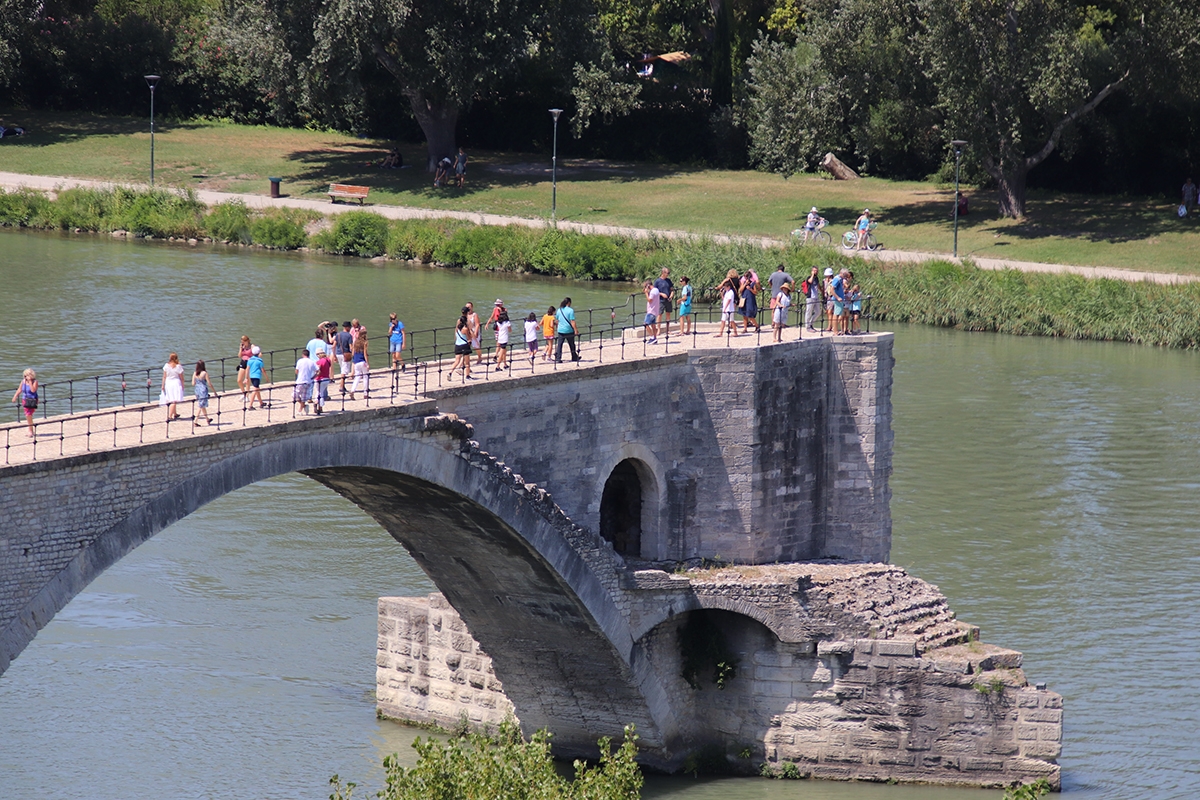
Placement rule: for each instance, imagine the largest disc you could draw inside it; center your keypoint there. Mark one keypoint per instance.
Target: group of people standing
(556, 327)
(661, 295)
(441, 173)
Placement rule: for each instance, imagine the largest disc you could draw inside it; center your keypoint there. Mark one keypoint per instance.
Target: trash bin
(275, 186)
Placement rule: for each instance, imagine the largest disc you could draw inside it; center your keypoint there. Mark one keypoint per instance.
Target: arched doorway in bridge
(623, 506)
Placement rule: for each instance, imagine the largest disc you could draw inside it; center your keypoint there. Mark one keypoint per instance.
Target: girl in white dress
(172, 386)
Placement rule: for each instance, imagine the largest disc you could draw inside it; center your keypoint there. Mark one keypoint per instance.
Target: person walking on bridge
(342, 344)
(28, 394)
(362, 367)
(172, 387)
(243, 374)
(202, 386)
(567, 331)
(462, 344)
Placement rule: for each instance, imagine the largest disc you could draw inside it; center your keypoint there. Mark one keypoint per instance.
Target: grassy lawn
(1128, 232)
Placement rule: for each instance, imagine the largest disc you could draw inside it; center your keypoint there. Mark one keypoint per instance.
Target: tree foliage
(891, 82)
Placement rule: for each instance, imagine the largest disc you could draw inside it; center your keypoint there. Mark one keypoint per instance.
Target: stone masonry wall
(430, 670)
(842, 671)
(760, 455)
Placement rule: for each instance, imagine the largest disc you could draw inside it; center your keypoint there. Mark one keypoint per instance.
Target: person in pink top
(324, 376)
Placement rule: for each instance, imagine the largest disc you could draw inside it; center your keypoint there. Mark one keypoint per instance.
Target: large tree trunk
(438, 118)
(1012, 194)
(438, 121)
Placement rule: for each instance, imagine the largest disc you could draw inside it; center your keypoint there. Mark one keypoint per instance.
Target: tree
(1012, 76)
(442, 53)
(851, 84)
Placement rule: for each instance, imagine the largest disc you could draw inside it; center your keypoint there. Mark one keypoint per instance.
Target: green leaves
(506, 766)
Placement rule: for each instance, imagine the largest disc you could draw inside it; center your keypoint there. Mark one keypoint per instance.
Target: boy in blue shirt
(254, 366)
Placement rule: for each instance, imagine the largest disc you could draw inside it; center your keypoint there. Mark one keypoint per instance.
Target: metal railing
(110, 410)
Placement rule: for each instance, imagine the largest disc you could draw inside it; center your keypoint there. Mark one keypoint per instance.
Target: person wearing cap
(827, 293)
(862, 226)
(498, 309)
(254, 366)
(812, 223)
(779, 310)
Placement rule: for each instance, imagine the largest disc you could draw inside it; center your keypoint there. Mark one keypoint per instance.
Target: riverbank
(1125, 306)
(1140, 233)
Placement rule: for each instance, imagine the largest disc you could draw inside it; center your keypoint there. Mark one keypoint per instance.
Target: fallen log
(837, 169)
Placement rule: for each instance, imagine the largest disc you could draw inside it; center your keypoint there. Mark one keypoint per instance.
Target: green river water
(1049, 488)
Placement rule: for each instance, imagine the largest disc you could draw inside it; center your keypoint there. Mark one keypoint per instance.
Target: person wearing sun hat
(812, 223)
(862, 227)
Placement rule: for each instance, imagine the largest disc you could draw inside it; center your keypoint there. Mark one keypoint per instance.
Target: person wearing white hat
(863, 227)
(827, 292)
(812, 223)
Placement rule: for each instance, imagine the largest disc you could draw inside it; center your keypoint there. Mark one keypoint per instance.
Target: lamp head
(151, 80)
(554, 112)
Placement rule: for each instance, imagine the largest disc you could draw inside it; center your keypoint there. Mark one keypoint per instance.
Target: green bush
(83, 208)
(280, 231)
(158, 212)
(355, 233)
(507, 249)
(229, 222)
(24, 207)
(583, 256)
(418, 239)
(506, 767)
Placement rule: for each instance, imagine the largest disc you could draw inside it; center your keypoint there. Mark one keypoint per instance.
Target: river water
(1049, 488)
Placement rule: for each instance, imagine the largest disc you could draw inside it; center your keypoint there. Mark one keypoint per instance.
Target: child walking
(28, 394)
(531, 337)
(503, 328)
(203, 389)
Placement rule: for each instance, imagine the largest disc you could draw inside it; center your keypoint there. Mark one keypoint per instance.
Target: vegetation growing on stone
(506, 766)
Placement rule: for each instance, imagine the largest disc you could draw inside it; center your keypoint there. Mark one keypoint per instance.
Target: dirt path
(14, 180)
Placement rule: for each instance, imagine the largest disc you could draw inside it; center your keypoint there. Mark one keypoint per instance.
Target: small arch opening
(621, 509)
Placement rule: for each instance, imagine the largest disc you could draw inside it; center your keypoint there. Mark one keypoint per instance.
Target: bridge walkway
(118, 427)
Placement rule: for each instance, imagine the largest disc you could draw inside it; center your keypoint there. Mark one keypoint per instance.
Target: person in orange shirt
(548, 328)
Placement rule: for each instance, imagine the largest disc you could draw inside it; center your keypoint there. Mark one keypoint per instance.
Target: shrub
(507, 249)
(583, 256)
(229, 222)
(280, 230)
(355, 233)
(508, 767)
(83, 208)
(157, 212)
(418, 239)
(23, 207)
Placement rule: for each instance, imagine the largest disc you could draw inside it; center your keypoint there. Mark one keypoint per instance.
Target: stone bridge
(552, 511)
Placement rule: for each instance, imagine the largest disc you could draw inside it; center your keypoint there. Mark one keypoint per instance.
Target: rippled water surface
(1049, 488)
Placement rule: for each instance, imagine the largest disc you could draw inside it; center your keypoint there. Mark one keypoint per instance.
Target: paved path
(14, 180)
(136, 424)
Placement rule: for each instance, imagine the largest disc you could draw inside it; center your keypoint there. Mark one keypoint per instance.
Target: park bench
(337, 190)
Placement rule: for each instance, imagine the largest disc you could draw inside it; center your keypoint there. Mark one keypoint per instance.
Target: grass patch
(1128, 232)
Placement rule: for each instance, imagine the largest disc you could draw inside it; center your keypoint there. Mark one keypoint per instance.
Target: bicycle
(850, 239)
(817, 236)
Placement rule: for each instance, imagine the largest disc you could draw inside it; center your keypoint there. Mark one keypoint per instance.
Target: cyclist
(812, 224)
(863, 227)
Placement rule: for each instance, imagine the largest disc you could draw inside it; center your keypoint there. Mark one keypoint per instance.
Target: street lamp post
(151, 81)
(958, 145)
(554, 112)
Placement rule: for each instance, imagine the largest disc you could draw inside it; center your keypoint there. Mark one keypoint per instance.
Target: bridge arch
(532, 587)
(632, 496)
